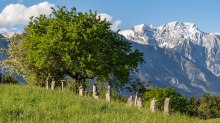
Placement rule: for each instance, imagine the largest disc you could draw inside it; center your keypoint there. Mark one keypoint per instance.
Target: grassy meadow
(24, 103)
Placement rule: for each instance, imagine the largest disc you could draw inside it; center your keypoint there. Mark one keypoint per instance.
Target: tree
(78, 45)
(192, 105)
(196, 110)
(209, 106)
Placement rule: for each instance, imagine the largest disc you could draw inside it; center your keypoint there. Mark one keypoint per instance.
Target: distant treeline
(4, 79)
(205, 108)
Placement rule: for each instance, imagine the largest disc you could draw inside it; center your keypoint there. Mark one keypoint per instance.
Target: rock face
(130, 101)
(178, 55)
(168, 68)
(153, 105)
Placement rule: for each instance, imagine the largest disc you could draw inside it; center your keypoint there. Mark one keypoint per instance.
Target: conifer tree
(192, 105)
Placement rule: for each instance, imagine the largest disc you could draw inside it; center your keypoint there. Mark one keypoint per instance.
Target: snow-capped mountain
(195, 68)
(185, 38)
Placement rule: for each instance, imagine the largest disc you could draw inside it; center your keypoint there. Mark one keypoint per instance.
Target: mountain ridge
(177, 34)
(200, 50)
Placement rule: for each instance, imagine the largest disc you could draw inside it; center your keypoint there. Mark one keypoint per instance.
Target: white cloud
(114, 25)
(104, 15)
(9, 33)
(14, 14)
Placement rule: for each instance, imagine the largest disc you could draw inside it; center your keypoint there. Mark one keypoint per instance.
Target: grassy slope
(23, 103)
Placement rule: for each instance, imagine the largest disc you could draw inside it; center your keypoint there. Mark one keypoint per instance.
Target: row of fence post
(130, 102)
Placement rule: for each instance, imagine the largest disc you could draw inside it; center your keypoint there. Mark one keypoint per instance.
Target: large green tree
(78, 45)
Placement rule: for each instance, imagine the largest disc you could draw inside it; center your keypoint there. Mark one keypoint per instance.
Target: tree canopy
(78, 45)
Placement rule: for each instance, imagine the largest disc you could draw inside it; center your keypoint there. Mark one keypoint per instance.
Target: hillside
(23, 103)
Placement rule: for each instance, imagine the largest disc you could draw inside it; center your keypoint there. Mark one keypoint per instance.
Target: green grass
(23, 103)
(216, 120)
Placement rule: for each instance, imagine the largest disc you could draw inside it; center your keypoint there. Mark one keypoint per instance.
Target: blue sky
(124, 14)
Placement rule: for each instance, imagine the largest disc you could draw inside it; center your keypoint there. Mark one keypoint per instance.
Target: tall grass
(24, 103)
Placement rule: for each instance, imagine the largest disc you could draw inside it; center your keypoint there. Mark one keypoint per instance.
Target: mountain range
(177, 55)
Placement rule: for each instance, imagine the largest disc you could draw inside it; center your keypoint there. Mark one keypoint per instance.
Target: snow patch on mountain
(167, 31)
